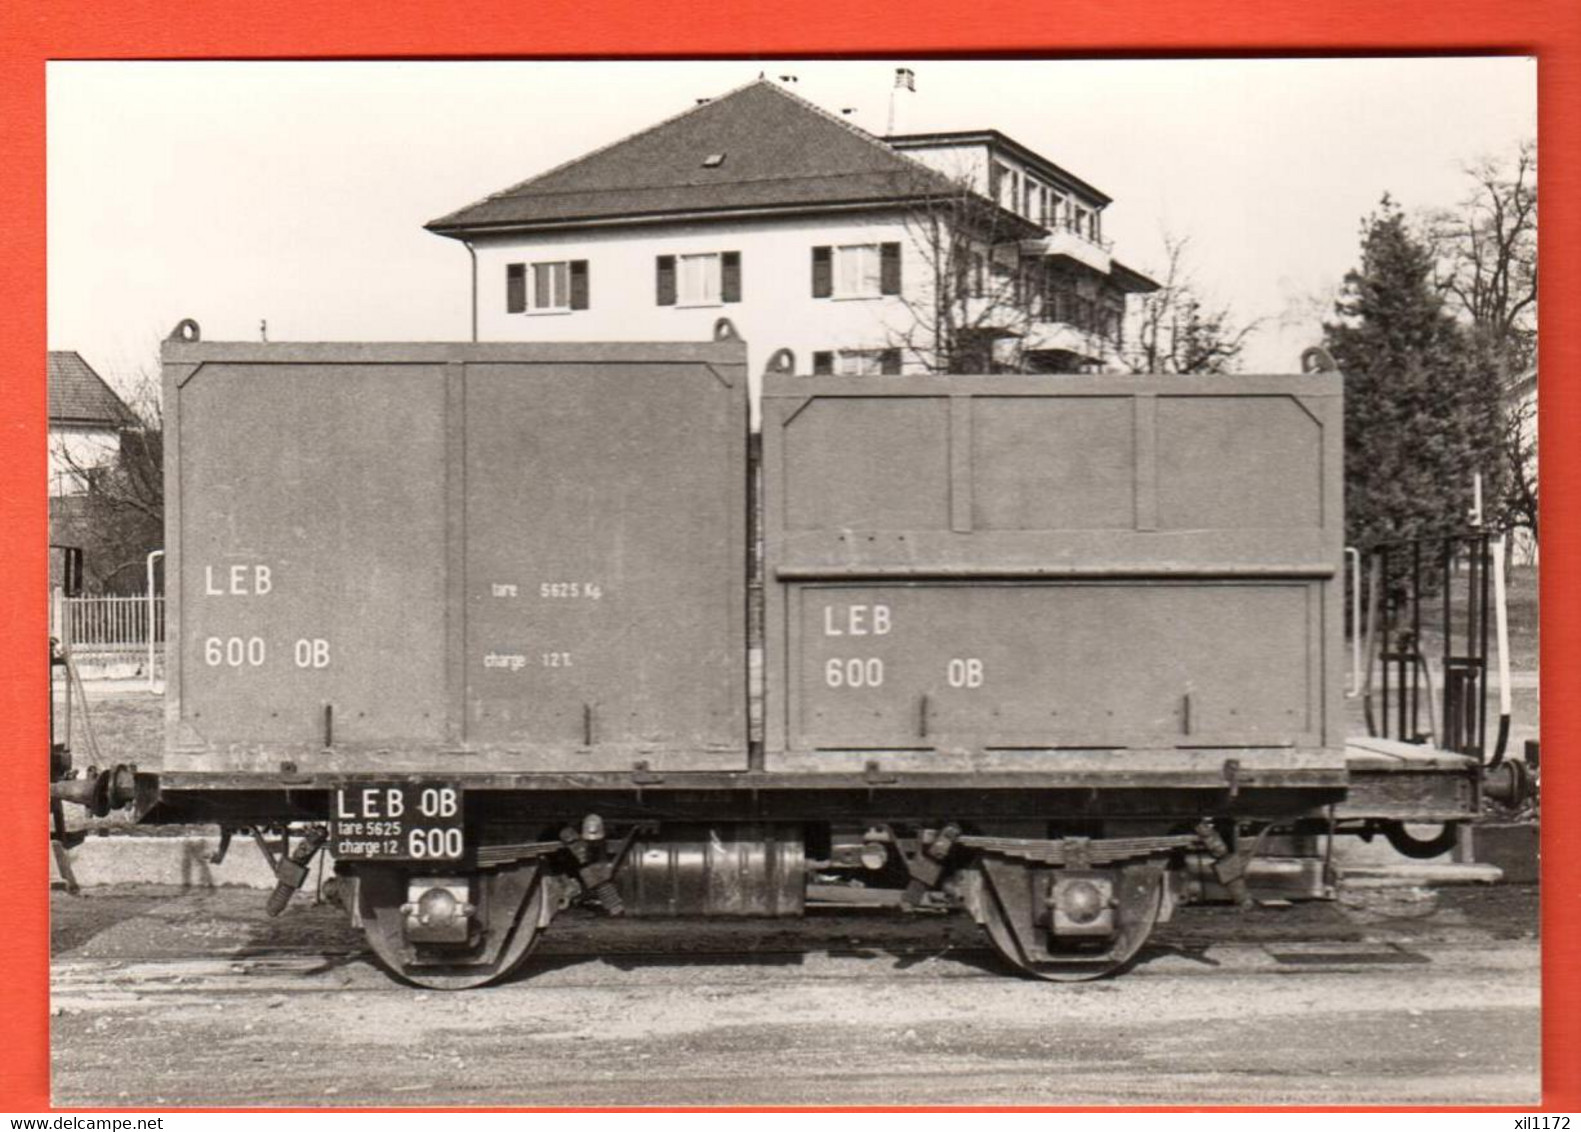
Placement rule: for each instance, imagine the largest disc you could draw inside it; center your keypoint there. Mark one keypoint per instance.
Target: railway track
(199, 998)
(309, 971)
(1313, 1021)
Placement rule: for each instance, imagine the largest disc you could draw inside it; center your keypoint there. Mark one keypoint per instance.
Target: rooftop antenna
(905, 79)
(263, 330)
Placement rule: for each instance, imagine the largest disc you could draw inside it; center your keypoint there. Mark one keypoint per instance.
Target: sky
(296, 193)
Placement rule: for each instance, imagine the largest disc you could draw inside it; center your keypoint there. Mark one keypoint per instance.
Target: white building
(962, 251)
(86, 421)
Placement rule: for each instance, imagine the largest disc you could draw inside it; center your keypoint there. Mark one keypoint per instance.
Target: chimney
(901, 95)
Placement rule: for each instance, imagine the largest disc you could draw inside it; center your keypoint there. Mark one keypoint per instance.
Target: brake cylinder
(716, 870)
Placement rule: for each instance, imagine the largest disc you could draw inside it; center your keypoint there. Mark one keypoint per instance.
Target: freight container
(1045, 573)
(456, 558)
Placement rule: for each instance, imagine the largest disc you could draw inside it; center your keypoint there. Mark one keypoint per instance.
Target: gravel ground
(1403, 996)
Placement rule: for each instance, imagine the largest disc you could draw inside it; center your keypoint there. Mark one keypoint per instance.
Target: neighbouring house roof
(757, 149)
(79, 396)
(1003, 142)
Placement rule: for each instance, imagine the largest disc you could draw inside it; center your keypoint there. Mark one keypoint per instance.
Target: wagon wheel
(1420, 848)
(515, 904)
(1005, 907)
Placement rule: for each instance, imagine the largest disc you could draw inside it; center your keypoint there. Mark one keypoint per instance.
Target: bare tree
(1518, 505)
(118, 516)
(1176, 330)
(976, 292)
(1486, 255)
(1486, 250)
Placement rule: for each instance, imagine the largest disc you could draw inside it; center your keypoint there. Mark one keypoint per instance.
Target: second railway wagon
(483, 622)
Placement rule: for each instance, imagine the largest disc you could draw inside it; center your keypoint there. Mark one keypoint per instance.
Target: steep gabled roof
(79, 396)
(758, 147)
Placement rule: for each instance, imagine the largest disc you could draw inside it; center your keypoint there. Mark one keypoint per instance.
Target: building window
(699, 280)
(546, 287)
(864, 362)
(1001, 275)
(856, 271)
(857, 363)
(551, 286)
(969, 268)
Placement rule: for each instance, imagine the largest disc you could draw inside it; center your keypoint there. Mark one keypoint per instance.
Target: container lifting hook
(781, 361)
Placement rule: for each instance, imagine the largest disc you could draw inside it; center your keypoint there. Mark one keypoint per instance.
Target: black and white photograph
(781, 582)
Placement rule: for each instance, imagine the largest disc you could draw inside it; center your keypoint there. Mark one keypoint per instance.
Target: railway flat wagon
(1057, 653)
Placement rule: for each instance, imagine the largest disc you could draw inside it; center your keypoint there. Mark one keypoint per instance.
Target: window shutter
(822, 273)
(730, 277)
(666, 280)
(579, 285)
(515, 288)
(889, 360)
(822, 362)
(889, 270)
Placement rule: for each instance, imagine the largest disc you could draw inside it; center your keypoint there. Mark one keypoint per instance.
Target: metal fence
(114, 631)
(1435, 599)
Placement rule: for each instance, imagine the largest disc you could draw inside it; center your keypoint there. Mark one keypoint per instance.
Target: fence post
(152, 557)
(62, 619)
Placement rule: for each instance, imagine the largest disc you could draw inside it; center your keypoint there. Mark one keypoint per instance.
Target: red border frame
(33, 31)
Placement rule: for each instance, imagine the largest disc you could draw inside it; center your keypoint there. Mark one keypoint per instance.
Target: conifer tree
(1422, 409)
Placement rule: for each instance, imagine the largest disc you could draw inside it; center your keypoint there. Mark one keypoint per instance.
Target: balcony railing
(1068, 224)
(1051, 334)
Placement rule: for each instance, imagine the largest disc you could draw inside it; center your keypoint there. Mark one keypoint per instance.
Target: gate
(1427, 626)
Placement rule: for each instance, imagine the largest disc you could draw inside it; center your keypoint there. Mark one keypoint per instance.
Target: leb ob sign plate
(397, 821)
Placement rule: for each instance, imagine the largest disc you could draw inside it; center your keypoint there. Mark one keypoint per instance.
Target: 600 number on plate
(397, 821)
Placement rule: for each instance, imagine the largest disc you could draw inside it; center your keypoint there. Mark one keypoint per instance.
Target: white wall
(960, 163)
(777, 308)
(80, 447)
